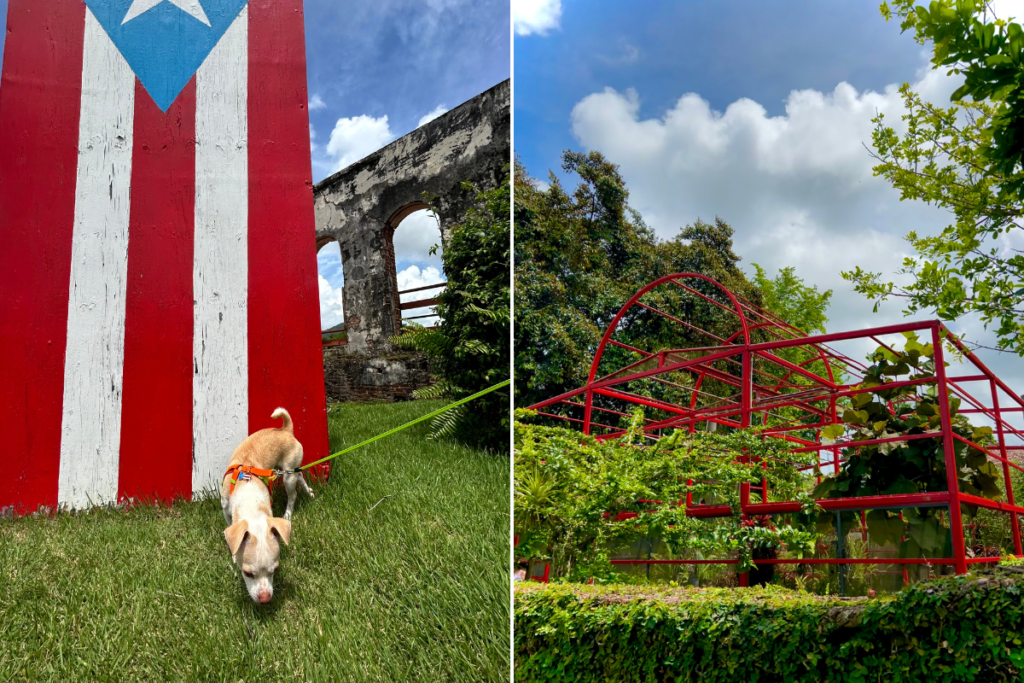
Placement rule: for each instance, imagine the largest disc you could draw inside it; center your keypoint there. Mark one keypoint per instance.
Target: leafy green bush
(469, 349)
(908, 466)
(952, 629)
(569, 488)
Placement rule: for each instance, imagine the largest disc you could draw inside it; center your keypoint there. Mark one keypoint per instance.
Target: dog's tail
(282, 413)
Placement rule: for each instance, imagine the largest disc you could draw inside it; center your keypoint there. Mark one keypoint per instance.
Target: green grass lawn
(416, 589)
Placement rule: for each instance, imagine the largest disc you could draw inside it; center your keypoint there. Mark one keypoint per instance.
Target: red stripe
(285, 358)
(156, 414)
(40, 96)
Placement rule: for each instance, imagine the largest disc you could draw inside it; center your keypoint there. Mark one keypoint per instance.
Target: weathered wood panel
(220, 281)
(42, 66)
(156, 416)
(285, 361)
(94, 360)
(158, 293)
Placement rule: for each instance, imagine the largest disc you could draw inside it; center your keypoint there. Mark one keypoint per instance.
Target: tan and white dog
(253, 534)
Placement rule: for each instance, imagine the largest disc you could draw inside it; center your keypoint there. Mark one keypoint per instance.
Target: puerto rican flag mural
(158, 286)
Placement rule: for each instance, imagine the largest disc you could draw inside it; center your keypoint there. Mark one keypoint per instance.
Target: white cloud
(1008, 9)
(354, 138)
(414, 237)
(331, 308)
(414, 277)
(797, 189)
(316, 102)
(536, 16)
(312, 139)
(330, 280)
(440, 110)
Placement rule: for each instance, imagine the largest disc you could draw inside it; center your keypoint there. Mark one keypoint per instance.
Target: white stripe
(94, 363)
(220, 388)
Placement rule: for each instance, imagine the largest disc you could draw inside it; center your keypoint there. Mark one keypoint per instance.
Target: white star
(191, 6)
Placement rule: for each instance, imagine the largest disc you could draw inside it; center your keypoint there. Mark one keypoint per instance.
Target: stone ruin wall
(358, 210)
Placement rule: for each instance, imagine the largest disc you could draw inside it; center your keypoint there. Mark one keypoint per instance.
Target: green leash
(409, 424)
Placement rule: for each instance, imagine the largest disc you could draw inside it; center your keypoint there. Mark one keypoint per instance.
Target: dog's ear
(280, 527)
(235, 535)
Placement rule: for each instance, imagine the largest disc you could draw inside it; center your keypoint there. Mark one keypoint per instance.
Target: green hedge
(954, 629)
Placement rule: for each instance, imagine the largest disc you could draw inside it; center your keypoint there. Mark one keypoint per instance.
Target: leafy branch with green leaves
(968, 37)
(904, 467)
(470, 349)
(570, 488)
(966, 159)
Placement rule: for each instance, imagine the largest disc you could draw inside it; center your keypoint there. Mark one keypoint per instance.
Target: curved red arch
(613, 325)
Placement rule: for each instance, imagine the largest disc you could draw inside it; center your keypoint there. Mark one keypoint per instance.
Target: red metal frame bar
(815, 560)
(788, 397)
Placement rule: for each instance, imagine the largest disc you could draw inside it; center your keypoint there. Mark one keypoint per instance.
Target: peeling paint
(355, 206)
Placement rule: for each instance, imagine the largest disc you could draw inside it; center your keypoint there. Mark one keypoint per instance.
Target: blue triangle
(165, 45)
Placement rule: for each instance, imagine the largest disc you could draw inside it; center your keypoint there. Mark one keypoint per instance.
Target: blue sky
(401, 59)
(756, 112)
(377, 70)
(721, 49)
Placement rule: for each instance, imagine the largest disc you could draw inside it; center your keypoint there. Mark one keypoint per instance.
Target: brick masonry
(355, 378)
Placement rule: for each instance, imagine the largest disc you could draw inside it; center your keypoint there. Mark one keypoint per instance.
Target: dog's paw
(288, 516)
(311, 495)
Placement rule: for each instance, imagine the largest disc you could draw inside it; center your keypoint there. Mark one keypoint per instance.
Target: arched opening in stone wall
(331, 281)
(418, 276)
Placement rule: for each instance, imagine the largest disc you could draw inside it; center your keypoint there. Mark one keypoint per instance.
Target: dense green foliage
(916, 466)
(971, 40)
(786, 295)
(397, 571)
(569, 488)
(580, 256)
(964, 159)
(469, 349)
(991, 533)
(955, 629)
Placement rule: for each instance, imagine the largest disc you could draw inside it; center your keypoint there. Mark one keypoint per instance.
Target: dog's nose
(264, 597)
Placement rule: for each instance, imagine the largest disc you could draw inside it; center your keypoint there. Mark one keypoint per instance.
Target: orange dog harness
(245, 472)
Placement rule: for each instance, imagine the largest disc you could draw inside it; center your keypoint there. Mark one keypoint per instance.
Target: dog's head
(254, 545)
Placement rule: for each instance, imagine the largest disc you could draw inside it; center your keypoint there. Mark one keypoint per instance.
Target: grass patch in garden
(415, 588)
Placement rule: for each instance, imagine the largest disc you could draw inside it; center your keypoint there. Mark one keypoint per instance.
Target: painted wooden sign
(158, 288)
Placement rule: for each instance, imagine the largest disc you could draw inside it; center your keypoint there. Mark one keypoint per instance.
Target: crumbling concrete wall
(356, 378)
(360, 206)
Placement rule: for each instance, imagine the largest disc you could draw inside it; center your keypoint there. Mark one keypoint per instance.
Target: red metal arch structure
(750, 367)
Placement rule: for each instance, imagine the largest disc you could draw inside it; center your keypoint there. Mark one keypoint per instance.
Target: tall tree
(965, 159)
(786, 295)
(580, 256)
